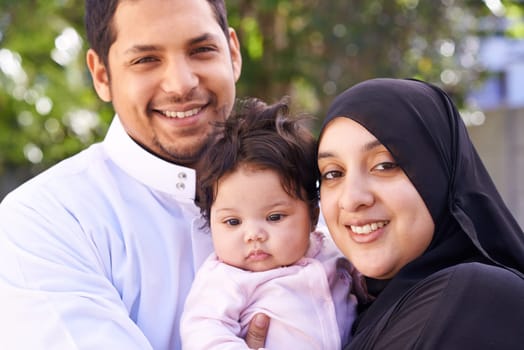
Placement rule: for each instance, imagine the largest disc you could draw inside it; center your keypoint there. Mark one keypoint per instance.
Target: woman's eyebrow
(325, 155)
(371, 145)
(366, 148)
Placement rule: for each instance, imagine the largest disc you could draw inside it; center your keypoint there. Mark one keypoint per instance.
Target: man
(100, 251)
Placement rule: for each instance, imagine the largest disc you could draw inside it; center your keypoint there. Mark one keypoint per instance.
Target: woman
(408, 201)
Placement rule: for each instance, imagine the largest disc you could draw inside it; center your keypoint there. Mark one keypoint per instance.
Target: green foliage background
(307, 49)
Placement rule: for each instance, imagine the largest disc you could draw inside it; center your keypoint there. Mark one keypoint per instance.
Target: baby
(258, 195)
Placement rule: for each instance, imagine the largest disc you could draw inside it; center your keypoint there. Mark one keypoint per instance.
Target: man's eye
(145, 60)
(203, 49)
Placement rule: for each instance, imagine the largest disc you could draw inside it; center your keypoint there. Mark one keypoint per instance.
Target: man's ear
(236, 56)
(99, 74)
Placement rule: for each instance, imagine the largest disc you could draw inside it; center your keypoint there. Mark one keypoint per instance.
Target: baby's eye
(385, 166)
(232, 222)
(275, 217)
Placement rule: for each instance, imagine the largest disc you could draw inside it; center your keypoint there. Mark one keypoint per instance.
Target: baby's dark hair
(262, 137)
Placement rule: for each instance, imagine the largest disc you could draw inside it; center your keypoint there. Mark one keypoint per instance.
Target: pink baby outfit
(309, 303)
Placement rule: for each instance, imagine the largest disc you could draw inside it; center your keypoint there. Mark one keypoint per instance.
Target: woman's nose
(355, 194)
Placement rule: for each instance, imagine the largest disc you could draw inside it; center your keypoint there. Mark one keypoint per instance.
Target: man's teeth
(362, 230)
(181, 115)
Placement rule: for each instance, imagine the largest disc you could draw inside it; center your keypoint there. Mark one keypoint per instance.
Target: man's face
(172, 72)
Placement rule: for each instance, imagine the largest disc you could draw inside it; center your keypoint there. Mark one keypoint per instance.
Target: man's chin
(188, 158)
(188, 152)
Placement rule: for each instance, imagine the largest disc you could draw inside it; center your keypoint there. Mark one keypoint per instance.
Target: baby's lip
(257, 255)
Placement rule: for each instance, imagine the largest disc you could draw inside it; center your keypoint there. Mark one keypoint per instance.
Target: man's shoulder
(57, 178)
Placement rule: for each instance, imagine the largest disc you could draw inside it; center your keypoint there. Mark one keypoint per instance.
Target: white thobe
(99, 251)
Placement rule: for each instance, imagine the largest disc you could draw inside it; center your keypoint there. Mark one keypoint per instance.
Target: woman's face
(374, 213)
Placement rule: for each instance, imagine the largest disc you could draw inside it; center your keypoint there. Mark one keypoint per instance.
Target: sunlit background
(307, 49)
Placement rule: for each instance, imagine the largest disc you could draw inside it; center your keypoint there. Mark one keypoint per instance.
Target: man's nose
(179, 78)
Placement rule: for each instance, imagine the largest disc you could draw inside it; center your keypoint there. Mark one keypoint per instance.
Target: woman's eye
(385, 166)
(275, 217)
(333, 174)
(232, 222)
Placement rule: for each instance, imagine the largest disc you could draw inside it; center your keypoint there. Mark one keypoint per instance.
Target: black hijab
(421, 127)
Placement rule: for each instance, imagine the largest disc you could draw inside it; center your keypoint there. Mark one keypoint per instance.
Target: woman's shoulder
(471, 305)
(479, 304)
(469, 285)
(475, 275)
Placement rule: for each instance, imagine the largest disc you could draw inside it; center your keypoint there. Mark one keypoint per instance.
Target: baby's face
(255, 224)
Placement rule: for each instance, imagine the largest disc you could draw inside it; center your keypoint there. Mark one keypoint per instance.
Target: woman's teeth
(362, 230)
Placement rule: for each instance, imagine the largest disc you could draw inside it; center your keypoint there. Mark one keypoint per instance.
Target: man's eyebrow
(203, 37)
(141, 48)
(148, 48)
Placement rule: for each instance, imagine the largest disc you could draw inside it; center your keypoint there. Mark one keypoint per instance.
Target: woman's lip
(368, 227)
(365, 237)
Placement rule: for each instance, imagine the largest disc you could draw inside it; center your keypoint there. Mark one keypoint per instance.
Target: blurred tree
(308, 49)
(48, 109)
(313, 49)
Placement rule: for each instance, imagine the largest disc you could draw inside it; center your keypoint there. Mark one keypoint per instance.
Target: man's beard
(189, 157)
